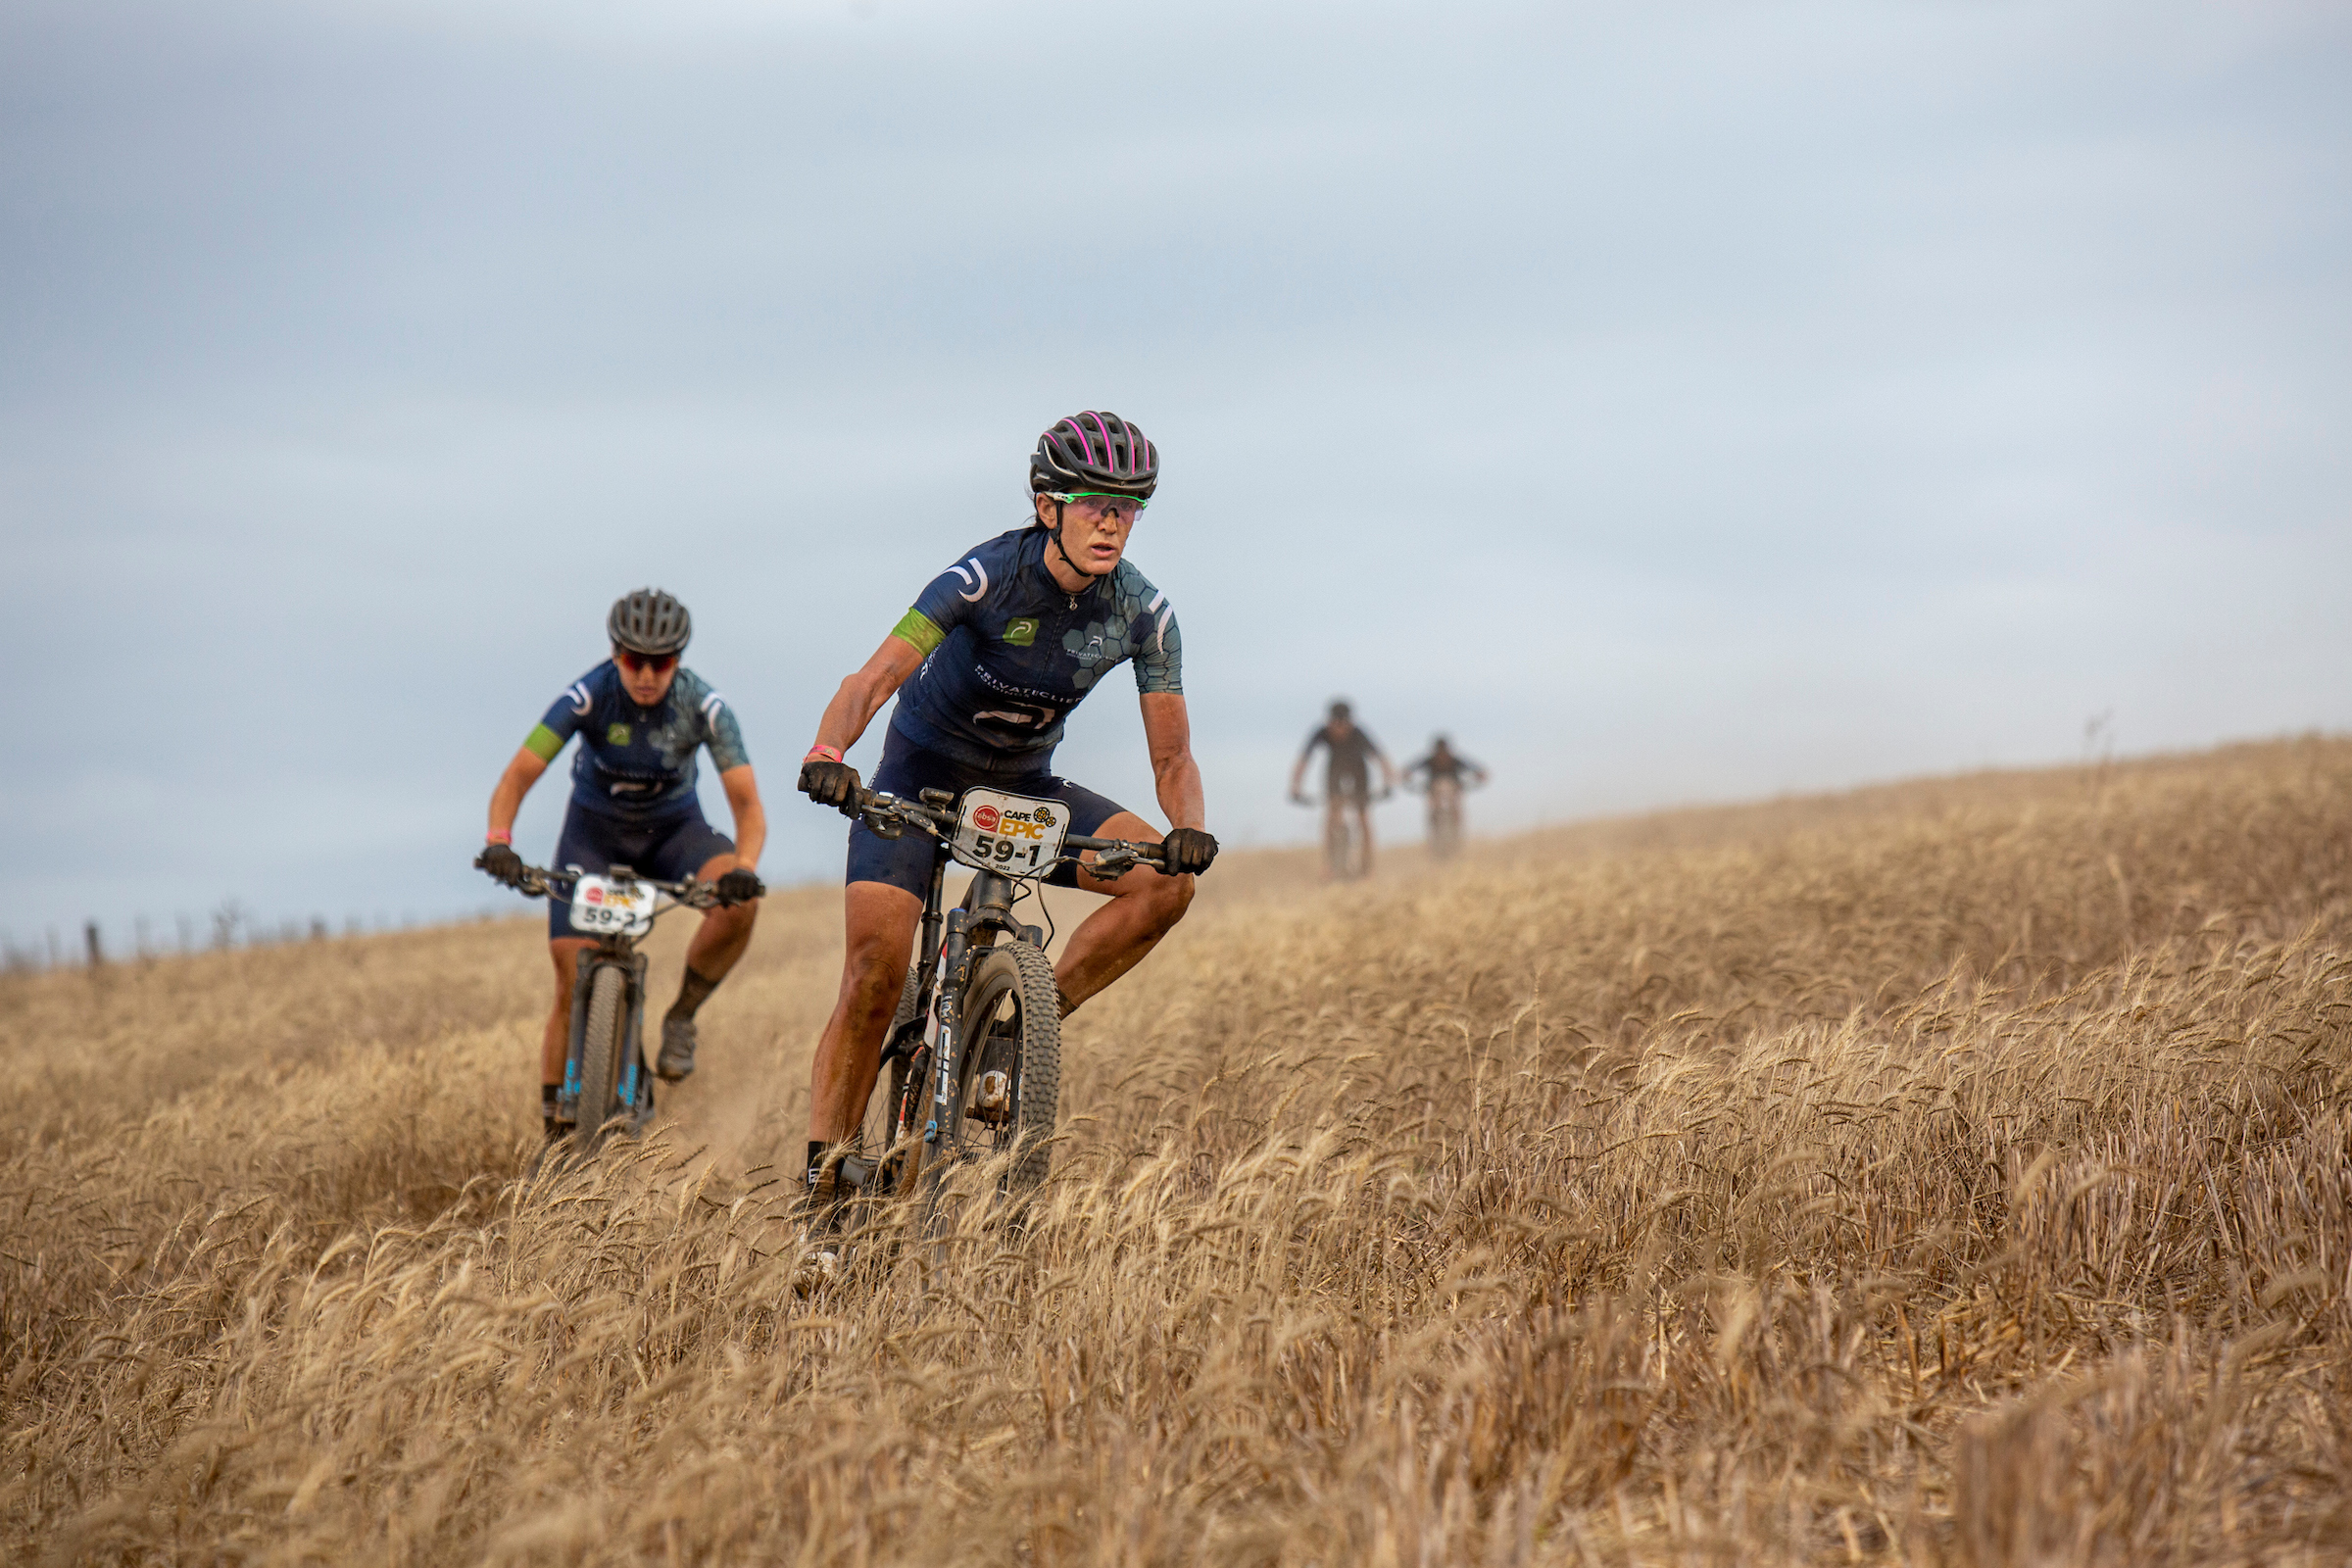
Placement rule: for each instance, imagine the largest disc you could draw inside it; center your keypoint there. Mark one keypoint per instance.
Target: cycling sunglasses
(1095, 505)
(646, 663)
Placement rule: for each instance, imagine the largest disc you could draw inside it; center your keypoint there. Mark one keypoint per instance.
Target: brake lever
(1110, 864)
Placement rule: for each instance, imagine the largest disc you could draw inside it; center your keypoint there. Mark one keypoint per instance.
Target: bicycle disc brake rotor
(995, 1086)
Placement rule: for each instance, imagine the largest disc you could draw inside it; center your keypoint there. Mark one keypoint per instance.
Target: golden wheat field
(1955, 1172)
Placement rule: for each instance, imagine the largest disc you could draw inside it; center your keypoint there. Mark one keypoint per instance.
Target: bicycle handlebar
(538, 882)
(1114, 858)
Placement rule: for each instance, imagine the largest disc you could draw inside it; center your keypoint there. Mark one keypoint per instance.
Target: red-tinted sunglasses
(646, 663)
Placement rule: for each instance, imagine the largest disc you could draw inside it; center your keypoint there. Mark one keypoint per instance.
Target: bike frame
(1347, 818)
(956, 938)
(614, 950)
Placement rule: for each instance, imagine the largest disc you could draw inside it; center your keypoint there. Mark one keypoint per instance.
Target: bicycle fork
(987, 907)
(953, 959)
(627, 1085)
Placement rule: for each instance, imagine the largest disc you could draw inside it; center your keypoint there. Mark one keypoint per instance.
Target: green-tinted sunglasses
(1094, 503)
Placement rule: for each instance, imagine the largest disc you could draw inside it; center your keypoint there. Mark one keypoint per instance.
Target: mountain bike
(1346, 849)
(606, 1087)
(971, 1065)
(1445, 811)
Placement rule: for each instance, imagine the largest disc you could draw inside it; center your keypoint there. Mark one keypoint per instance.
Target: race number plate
(1010, 833)
(599, 905)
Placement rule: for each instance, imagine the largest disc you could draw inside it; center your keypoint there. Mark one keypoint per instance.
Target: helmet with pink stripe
(1095, 453)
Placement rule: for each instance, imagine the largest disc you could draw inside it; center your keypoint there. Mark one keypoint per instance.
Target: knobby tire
(601, 1047)
(1029, 1047)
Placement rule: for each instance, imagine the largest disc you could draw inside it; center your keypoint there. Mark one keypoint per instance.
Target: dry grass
(1955, 1172)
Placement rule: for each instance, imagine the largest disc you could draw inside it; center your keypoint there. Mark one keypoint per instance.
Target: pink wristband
(830, 753)
(498, 835)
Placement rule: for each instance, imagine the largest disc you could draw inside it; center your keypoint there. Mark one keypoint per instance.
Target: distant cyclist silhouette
(1443, 773)
(1349, 755)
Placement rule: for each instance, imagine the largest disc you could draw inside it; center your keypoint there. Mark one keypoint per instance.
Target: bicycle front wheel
(1011, 1067)
(601, 1047)
(1338, 844)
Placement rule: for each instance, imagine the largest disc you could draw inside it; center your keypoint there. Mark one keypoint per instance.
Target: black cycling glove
(1188, 849)
(502, 862)
(739, 886)
(833, 784)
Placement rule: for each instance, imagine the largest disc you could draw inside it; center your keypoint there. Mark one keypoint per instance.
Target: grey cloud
(1674, 402)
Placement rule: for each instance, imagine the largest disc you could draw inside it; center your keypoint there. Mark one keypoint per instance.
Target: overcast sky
(1675, 401)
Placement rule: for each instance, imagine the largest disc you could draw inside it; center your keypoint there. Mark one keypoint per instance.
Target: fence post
(90, 933)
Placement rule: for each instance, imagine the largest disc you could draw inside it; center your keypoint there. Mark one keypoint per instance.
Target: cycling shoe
(676, 1060)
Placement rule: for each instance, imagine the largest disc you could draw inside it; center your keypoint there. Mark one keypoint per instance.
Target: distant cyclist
(1348, 754)
(986, 666)
(1444, 773)
(641, 717)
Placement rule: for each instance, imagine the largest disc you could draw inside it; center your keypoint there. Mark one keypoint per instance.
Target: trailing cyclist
(1445, 774)
(1348, 754)
(641, 717)
(987, 665)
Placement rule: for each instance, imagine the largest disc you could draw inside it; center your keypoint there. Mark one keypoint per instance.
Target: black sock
(693, 992)
(547, 1099)
(819, 1149)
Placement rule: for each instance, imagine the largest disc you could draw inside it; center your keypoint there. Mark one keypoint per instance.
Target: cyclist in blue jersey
(641, 717)
(986, 666)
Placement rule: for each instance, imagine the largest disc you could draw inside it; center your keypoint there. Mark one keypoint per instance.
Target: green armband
(919, 629)
(543, 743)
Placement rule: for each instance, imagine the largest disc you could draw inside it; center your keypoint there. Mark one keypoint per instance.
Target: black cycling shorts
(668, 849)
(906, 769)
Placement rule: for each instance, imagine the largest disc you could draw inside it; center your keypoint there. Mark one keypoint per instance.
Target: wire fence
(227, 927)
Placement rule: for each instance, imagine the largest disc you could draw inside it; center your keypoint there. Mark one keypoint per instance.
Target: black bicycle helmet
(649, 621)
(1100, 453)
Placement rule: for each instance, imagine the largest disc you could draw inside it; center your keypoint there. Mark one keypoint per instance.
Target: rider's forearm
(1178, 782)
(506, 801)
(751, 817)
(751, 834)
(851, 708)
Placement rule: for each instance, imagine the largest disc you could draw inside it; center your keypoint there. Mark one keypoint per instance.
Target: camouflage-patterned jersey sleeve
(1157, 646)
(720, 732)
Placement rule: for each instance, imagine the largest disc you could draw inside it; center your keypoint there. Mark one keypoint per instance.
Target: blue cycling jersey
(1009, 650)
(638, 763)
